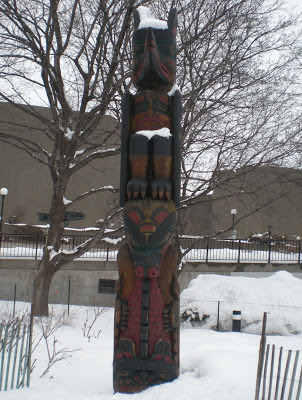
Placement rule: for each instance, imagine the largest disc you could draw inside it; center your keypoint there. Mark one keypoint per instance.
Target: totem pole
(146, 330)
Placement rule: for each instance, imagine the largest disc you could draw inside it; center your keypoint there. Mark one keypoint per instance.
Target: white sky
(294, 3)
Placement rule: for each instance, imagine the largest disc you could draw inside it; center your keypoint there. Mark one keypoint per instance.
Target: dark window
(106, 286)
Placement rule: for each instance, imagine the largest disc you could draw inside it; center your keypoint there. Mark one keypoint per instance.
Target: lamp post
(233, 213)
(3, 192)
(269, 231)
(269, 243)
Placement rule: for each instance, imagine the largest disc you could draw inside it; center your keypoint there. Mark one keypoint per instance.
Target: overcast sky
(295, 3)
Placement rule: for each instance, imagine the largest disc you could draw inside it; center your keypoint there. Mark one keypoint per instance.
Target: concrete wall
(84, 276)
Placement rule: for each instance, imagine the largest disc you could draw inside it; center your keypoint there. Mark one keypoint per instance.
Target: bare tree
(234, 69)
(70, 54)
(237, 74)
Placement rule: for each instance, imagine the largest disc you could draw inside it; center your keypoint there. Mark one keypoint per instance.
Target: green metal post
(25, 362)
(10, 345)
(2, 355)
(29, 350)
(15, 357)
(18, 383)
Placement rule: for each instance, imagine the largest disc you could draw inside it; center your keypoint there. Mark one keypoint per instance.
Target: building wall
(262, 196)
(29, 182)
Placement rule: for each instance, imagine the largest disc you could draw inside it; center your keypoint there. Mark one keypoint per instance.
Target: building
(29, 182)
(262, 196)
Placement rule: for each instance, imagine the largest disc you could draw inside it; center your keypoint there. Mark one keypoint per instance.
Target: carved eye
(140, 105)
(161, 216)
(134, 215)
(161, 105)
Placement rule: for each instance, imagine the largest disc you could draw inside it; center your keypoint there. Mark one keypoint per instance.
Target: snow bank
(280, 295)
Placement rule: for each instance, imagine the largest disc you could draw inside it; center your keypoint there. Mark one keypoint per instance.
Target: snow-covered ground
(214, 365)
(280, 295)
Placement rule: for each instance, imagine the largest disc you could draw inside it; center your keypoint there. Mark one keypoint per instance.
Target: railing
(31, 246)
(194, 249)
(241, 250)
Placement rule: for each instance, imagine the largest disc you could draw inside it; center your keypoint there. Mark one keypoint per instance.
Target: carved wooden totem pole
(146, 346)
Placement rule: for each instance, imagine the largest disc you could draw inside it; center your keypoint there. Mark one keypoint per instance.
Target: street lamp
(269, 231)
(3, 192)
(233, 213)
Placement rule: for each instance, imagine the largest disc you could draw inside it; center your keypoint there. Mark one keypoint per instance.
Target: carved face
(149, 223)
(154, 58)
(151, 111)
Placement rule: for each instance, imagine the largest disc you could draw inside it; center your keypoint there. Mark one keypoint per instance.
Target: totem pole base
(137, 375)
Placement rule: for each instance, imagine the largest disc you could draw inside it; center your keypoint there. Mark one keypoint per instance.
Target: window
(106, 286)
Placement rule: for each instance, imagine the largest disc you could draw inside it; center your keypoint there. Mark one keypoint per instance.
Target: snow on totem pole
(146, 345)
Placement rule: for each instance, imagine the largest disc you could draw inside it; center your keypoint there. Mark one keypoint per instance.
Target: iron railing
(193, 248)
(241, 250)
(31, 246)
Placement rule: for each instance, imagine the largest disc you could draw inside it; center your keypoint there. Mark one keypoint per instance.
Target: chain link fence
(215, 315)
(218, 315)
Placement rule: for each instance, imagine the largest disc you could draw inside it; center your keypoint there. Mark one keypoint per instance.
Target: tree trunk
(41, 287)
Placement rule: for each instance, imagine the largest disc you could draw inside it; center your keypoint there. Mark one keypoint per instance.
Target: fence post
(107, 254)
(207, 253)
(278, 373)
(31, 327)
(218, 311)
(239, 243)
(261, 356)
(15, 293)
(68, 298)
(299, 257)
(265, 370)
(15, 356)
(37, 242)
(18, 383)
(299, 385)
(271, 373)
(10, 346)
(269, 250)
(289, 354)
(293, 376)
(4, 343)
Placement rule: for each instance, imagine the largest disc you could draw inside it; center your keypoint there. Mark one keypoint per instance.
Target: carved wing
(126, 105)
(177, 145)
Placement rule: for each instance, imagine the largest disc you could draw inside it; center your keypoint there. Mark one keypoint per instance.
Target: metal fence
(279, 375)
(31, 246)
(218, 315)
(193, 248)
(15, 352)
(241, 250)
